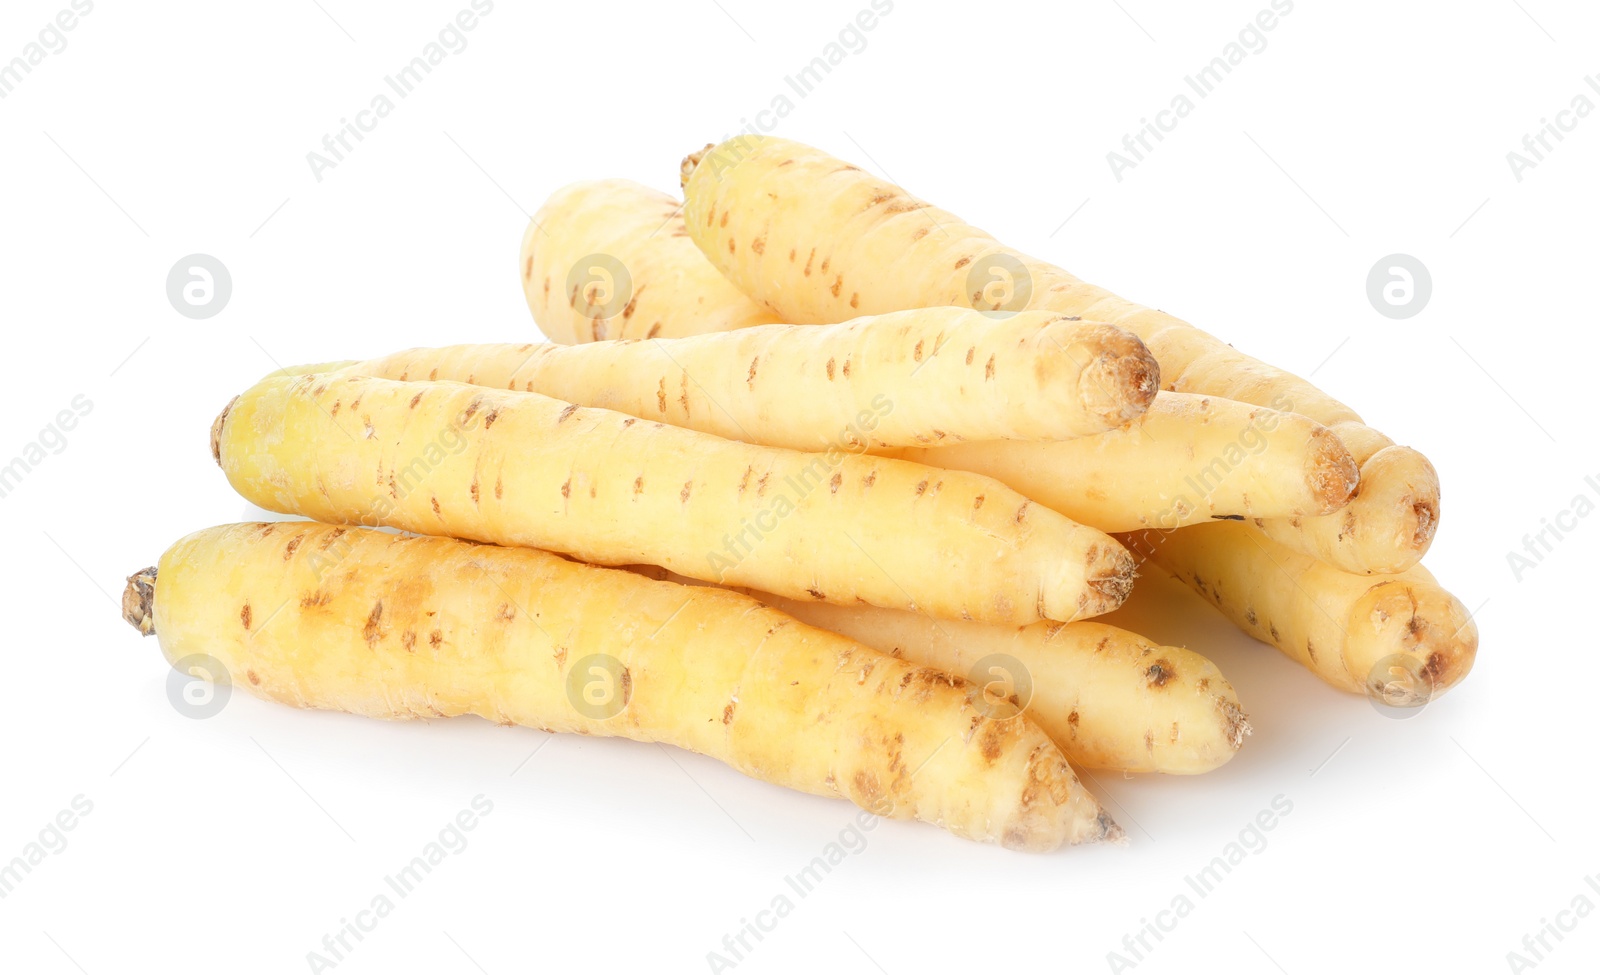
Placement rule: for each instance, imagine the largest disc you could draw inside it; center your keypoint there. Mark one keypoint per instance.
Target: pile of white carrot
(825, 483)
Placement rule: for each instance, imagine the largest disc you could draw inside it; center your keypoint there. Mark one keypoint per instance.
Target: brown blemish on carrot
(724, 222)
(683, 496)
(750, 378)
(838, 282)
(833, 485)
(244, 615)
(988, 368)
(759, 245)
(993, 737)
(372, 632)
(566, 488)
(830, 368)
(489, 418)
(434, 498)
(916, 353)
(921, 487)
(870, 479)
(1160, 673)
(638, 484)
(507, 612)
(499, 488)
(570, 409)
(294, 543)
(761, 485)
(855, 299)
(868, 794)
(816, 593)
(963, 263)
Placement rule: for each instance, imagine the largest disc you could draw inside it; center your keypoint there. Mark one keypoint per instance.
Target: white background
(1362, 129)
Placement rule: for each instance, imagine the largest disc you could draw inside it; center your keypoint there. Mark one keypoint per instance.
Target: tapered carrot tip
(1054, 809)
(1401, 481)
(1235, 722)
(1437, 638)
(1111, 573)
(138, 601)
